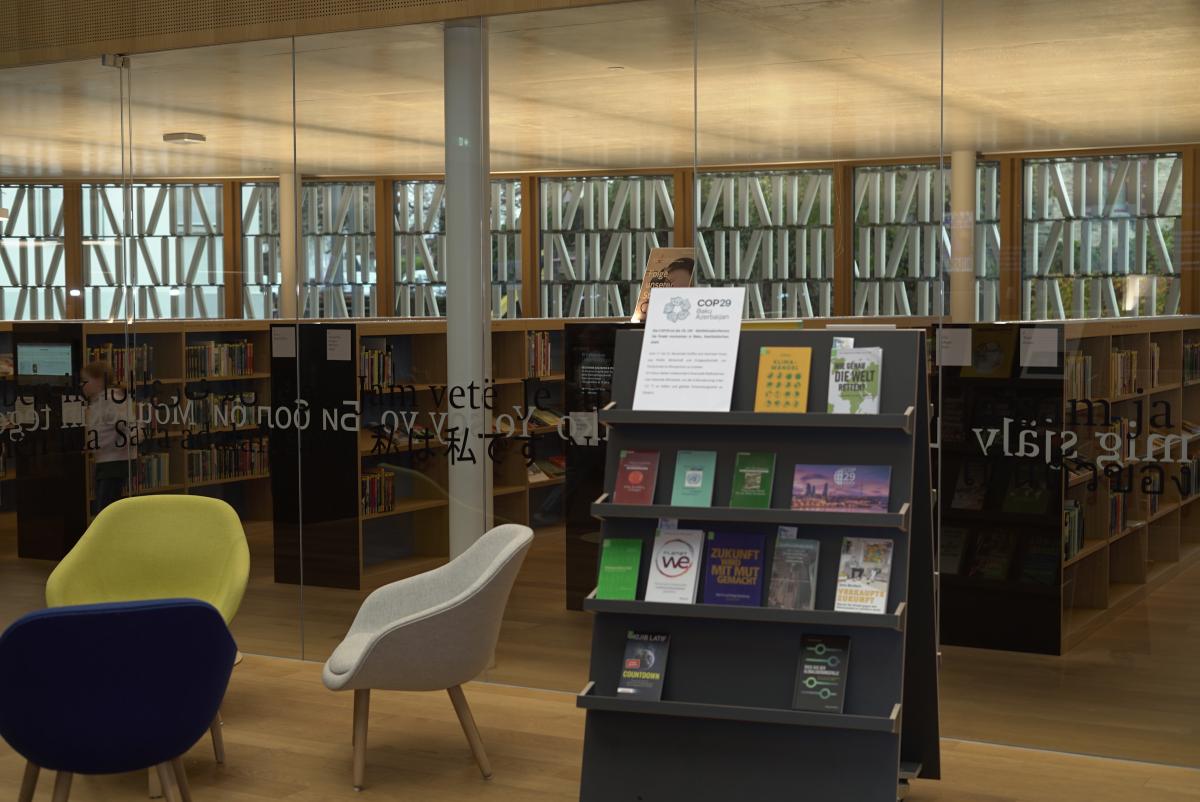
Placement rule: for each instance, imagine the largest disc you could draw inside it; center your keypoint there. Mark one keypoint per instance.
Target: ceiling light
(184, 138)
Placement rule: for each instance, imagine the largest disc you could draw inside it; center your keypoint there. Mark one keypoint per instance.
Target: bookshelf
(725, 710)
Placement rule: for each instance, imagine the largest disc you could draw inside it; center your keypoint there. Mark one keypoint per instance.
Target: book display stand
(725, 727)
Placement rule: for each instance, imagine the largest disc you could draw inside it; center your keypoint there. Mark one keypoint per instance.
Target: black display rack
(725, 728)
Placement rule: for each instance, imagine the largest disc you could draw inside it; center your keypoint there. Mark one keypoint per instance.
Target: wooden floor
(289, 738)
(1129, 691)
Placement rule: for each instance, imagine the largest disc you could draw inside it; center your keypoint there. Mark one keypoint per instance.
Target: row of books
(375, 367)
(218, 411)
(1072, 535)
(1155, 363)
(990, 553)
(1191, 361)
(546, 470)
(855, 378)
(821, 673)
(378, 491)
(152, 471)
(211, 358)
(734, 570)
(1122, 372)
(537, 354)
(249, 457)
(1078, 374)
(134, 363)
(848, 488)
(1118, 514)
(1026, 493)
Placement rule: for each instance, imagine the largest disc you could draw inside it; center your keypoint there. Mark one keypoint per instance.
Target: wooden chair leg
(218, 738)
(62, 786)
(167, 777)
(185, 791)
(459, 700)
(362, 710)
(156, 789)
(29, 782)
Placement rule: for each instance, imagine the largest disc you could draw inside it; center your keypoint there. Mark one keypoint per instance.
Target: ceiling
(724, 82)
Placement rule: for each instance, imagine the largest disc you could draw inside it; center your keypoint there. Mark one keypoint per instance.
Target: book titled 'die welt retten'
(733, 569)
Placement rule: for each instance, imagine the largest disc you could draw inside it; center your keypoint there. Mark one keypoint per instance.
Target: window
(260, 251)
(337, 269)
(33, 273)
(1101, 236)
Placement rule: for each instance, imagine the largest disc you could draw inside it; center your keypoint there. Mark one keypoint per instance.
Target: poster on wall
(665, 267)
(689, 351)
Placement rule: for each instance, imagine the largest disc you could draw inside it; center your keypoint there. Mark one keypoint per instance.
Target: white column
(468, 256)
(962, 236)
(289, 243)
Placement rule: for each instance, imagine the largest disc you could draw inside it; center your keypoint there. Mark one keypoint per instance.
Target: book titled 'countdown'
(644, 665)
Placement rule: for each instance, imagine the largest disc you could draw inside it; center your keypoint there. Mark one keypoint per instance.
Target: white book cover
(675, 566)
(863, 575)
(855, 380)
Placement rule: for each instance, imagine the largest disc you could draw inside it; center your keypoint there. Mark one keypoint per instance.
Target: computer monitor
(45, 363)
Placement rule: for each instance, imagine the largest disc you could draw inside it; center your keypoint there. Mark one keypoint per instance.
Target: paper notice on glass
(689, 351)
(337, 345)
(283, 342)
(1039, 348)
(954, 347)
(72, 412)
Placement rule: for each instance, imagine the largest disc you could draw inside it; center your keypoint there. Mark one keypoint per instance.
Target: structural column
(468, 271)
(963, 197)
(289, 244)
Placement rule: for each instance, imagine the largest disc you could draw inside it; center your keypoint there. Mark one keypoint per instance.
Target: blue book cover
(733, 569)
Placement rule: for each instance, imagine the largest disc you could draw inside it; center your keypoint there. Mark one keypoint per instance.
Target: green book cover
(620, 559)
(694, 472)
(753, 477)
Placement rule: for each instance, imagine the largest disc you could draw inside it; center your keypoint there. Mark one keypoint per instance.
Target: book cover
(1027, 493)
(644, 666)
(665, 267)
(694, 472)
(620, 558)
(953, 549)
(794, 574)
(753, 476)
(993, 556)
(733, 569)
(675, 566)
(841, 488)
(782, 379)
(864, 575)
(637, 474)
(1041, 563)
(821, 675)
(855, 378)
(970, 489)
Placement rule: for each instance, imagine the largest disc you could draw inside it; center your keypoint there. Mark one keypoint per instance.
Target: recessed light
(184, 138)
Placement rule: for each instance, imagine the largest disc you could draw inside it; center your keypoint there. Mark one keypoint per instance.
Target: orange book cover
(782, 379)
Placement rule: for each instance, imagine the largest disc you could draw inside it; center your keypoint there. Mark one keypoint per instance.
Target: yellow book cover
(782, 379)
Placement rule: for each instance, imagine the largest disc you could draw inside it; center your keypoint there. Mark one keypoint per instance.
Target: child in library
(109, 426)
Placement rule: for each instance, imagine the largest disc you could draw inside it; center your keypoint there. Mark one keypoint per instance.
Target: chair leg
(29, 782)
(156, 789)
(218, 738)
(185, 791)
(459, 700)
(362, 709)
(62, 786)
(167, 778)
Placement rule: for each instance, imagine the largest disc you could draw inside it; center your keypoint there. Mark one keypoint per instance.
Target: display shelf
(1163, 511)
(405, 506)
(1090, 547)
(898, 421)
(882, 520)
(553, 480)
(589, 700)
(213, 482)
(1127, 531)
(769, 615)
(505, 490)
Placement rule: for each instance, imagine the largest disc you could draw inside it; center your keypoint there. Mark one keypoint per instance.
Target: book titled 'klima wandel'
(620, 558)
(733, 569)
(644, 666)
(753, 476)
(821, 675)
(782, 379)
(637, 474)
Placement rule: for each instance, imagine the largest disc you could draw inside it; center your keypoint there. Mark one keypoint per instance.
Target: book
(675, 566)
(953, 548)
(993, 556)
(637, 474)
(733, 569)
(694, 478)
(1027, 493)
(782, 379)
(864, 575)
(821, 675)
(1040, 566)
(644, 666)
(620, 558)
(794, 574)
(753, 476)
(855, 377)
(970, 489)
(841, 488)
(665, 267)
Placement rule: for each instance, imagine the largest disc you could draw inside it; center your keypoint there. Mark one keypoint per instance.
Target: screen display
(51, 360)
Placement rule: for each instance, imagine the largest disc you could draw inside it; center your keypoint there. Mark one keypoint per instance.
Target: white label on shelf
(689, 351)
(337, 345)
(283, 342)
(1039, 348)
(954, 347)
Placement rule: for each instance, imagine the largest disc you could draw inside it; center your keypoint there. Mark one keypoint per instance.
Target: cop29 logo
(677, 309)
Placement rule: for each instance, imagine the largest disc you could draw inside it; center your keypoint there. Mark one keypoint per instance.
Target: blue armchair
(78, 696)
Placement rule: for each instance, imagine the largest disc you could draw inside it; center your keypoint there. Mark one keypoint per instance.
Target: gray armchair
(431, 632)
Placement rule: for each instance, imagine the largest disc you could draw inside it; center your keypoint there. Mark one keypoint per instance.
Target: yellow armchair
(157, 547)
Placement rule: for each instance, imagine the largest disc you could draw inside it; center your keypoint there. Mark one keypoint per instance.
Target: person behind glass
(109, 423)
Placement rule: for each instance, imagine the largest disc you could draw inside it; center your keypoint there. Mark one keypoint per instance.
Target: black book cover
(644, 666)
(821, 675)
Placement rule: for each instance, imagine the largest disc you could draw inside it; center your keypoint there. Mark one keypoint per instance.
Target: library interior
(803, 393)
